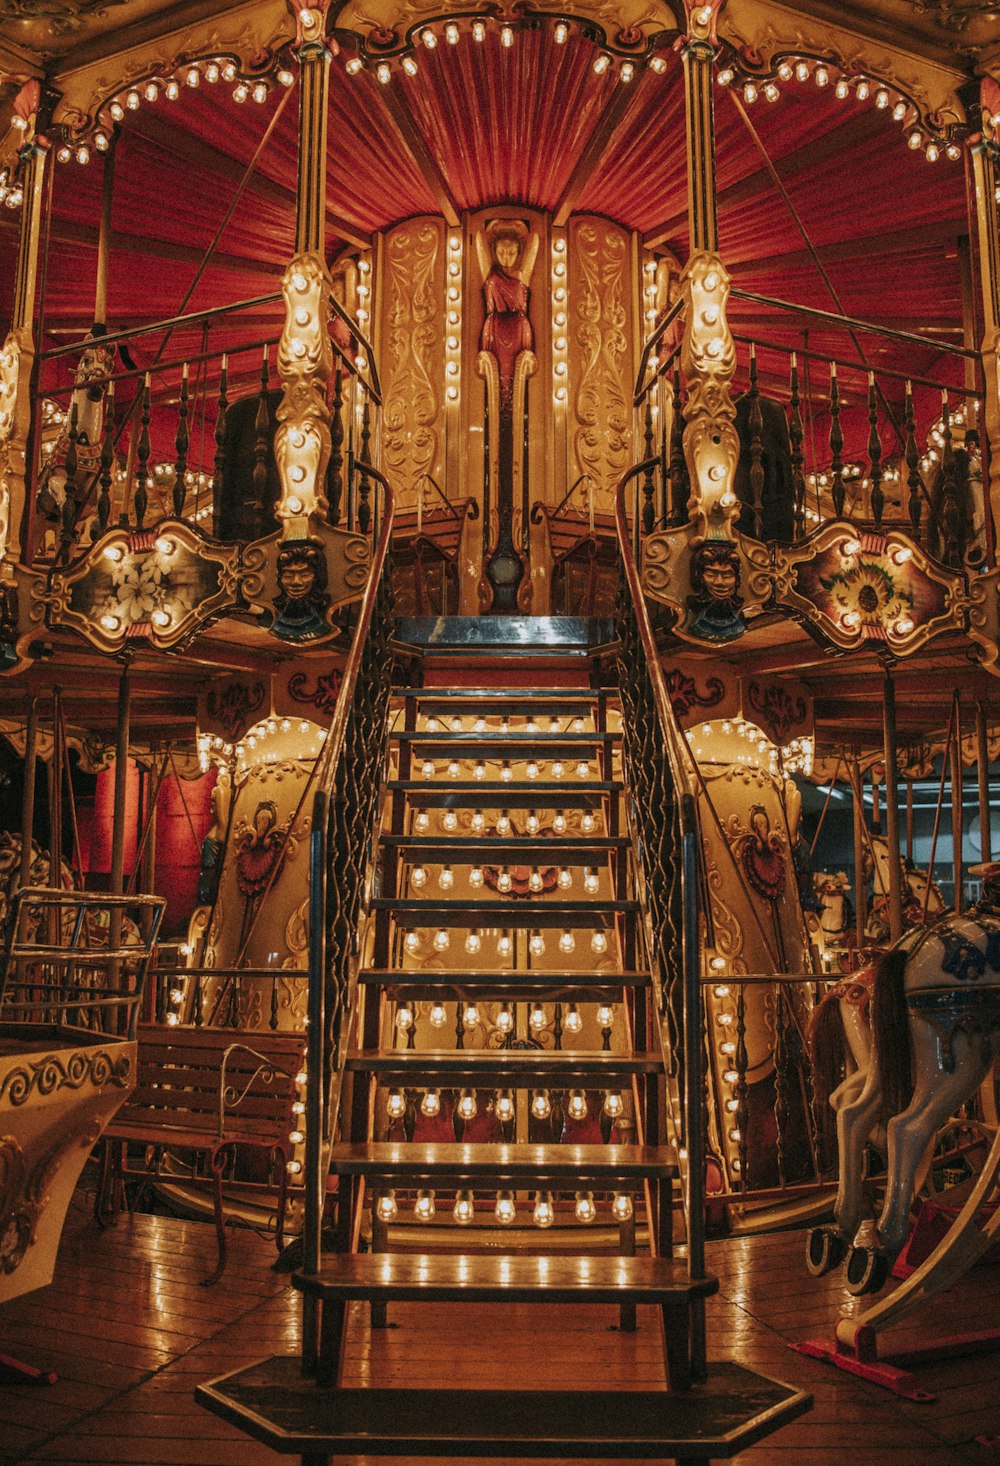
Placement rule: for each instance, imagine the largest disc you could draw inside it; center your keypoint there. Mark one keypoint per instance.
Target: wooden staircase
(493, 790)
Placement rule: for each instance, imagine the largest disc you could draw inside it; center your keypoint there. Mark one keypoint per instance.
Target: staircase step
(539, 912)
(546, 1068)
(495, 794)
(406, 1277)
(572, 636)
(275, 1403)
(552, 743)
(578, 987)
(554, 850)
(527, 697)
(416, 1163)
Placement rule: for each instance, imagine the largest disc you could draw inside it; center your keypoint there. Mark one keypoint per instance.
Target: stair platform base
(273, 1402)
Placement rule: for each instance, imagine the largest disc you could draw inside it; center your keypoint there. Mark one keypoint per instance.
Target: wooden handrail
(661, 330)
(853, 323)
(168, 324)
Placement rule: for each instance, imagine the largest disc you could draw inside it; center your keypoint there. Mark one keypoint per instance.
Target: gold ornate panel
(624, 18)
(412, 309)
(600, 327)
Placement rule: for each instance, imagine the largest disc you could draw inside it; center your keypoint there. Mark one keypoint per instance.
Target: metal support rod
(104, 234)
(892, 807)
(117, 882)
(860, 893)
(909, 822)
(314, 1097)
(956, 804)
(693, 1078)
(28, 796)
(983, 777)
(55, 792)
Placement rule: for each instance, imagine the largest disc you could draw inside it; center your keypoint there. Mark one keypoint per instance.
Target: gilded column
(985, 149)
(17, 356)
(305, 356)
(708, 352)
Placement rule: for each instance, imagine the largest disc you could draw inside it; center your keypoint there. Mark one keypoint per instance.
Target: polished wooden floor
(131, 1332)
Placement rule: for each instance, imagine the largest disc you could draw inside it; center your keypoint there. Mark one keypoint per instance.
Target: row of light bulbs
(862, 88)
(471, 1015)
(505, 881)
(503, 1105)
(452, 32)
(533, 769)
(725, 1017)
(505, 1209)
(795, 756)
(456, 724)
(416, 938)
(478, 822)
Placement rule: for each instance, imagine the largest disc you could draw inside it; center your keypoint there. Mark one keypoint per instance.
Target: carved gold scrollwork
(601, 440)
(708, 364)
(305, 362)
(414, 290)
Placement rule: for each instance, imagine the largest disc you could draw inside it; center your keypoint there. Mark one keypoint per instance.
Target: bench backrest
(180, 1073)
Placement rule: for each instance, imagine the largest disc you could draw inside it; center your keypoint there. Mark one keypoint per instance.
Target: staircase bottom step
(275, 1403)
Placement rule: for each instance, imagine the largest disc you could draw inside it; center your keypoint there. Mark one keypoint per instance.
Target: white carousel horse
(836, 918)
(919, 904)
(96, 363)
(935, 1005)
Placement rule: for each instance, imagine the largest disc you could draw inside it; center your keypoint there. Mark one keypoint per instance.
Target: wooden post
(28, 796)
(983, 778)
(860, 893)
(698, 56)
(104, 235)
(985, 154)
(892, 807)
(117, 884)
(956, 804)
(314, 60)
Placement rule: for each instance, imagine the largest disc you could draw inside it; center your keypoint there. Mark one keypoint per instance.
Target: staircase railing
(661, 819)
(343, 823)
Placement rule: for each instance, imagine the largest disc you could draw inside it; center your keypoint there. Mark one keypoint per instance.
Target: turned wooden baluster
(836, 444)
(68, 515)
(364, 487)
(258, 479)
(912, 455)
(678, 464)
(795, 436)
(755, 424)
(181, 444)
(107, 459)
(335, 476)
(781, 1066)
(875, 454)
(950, 511)
(140, 498)
(220, 435)
(648, 511)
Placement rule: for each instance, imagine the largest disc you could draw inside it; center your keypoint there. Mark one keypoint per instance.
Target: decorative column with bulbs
(985, 149)
(305, 357)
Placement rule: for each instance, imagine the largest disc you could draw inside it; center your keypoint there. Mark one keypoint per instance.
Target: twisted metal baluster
(755, 425)
(140, 498)
(742, 1088)
(648, 510)
(795, 436)
(836, 444)
(68, 515)
(220, 436)
(912, 455)
(107, 459)
(364, 487)
(261, 450)
(781, 1058)
(335, 475)
(679, 484)
(875, 472)
(181, 444)
(950, 511)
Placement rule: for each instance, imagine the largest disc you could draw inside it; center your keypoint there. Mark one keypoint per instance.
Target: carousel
(499, 641)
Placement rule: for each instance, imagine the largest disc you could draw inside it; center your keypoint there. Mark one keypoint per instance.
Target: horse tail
(828, 1048)
(891, 1033)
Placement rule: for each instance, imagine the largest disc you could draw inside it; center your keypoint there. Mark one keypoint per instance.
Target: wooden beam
(868, 246)
(595, 147)
(67, 231)
(415, 143)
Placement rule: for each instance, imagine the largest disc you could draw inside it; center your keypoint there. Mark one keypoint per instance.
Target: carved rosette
(708, 364)
(601, 387)
(305, 363)
(414, 294)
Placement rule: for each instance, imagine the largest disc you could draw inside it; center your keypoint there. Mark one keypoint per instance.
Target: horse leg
(825, 1246)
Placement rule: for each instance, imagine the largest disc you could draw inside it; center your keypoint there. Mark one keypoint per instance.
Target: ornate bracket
(708, 364)
(305, 363)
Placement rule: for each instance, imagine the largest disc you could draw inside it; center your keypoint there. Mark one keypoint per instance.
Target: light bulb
(418, 876)
(438, 1015)
(465, 1210)
(503, 823)
(385, 1208)
(558, 769)
(532, 823)
(505, 725)
(504, 880)
(559, 822)
(504, 1107)
(396, 1104)
(423, 1208)
(537, 944)
(588, 823)
(544, 1213)
(576, 1107)
(583, 769)
(505, 1211)
(531, 726)
(535, 882)
(621, 1207)
(506, 772)
(614, 1105)
(479, 772)
(450, 820)
(404, 1017)
(505, 946)
(538, 1019)
(505, 1019)
(446, 878)
(453, 769)
(605, 1015)
(541, 1106)
(591, 881)
(470, 1018)
(430, 1105)
(466, 1106)
(479, 726)
(586, 1211)
(573, 1022)
(432, 724)
(427, 769)
(531, 769)
(441, 940)
(473, 941)
(567, 942)
(599, 941)
(421, 820)
(565, 878)
(478, 821)
(456, 724)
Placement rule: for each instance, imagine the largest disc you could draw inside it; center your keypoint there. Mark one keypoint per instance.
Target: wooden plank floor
(131, 1332)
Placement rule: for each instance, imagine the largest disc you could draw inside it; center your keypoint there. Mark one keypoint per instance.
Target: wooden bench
(204, 1094)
